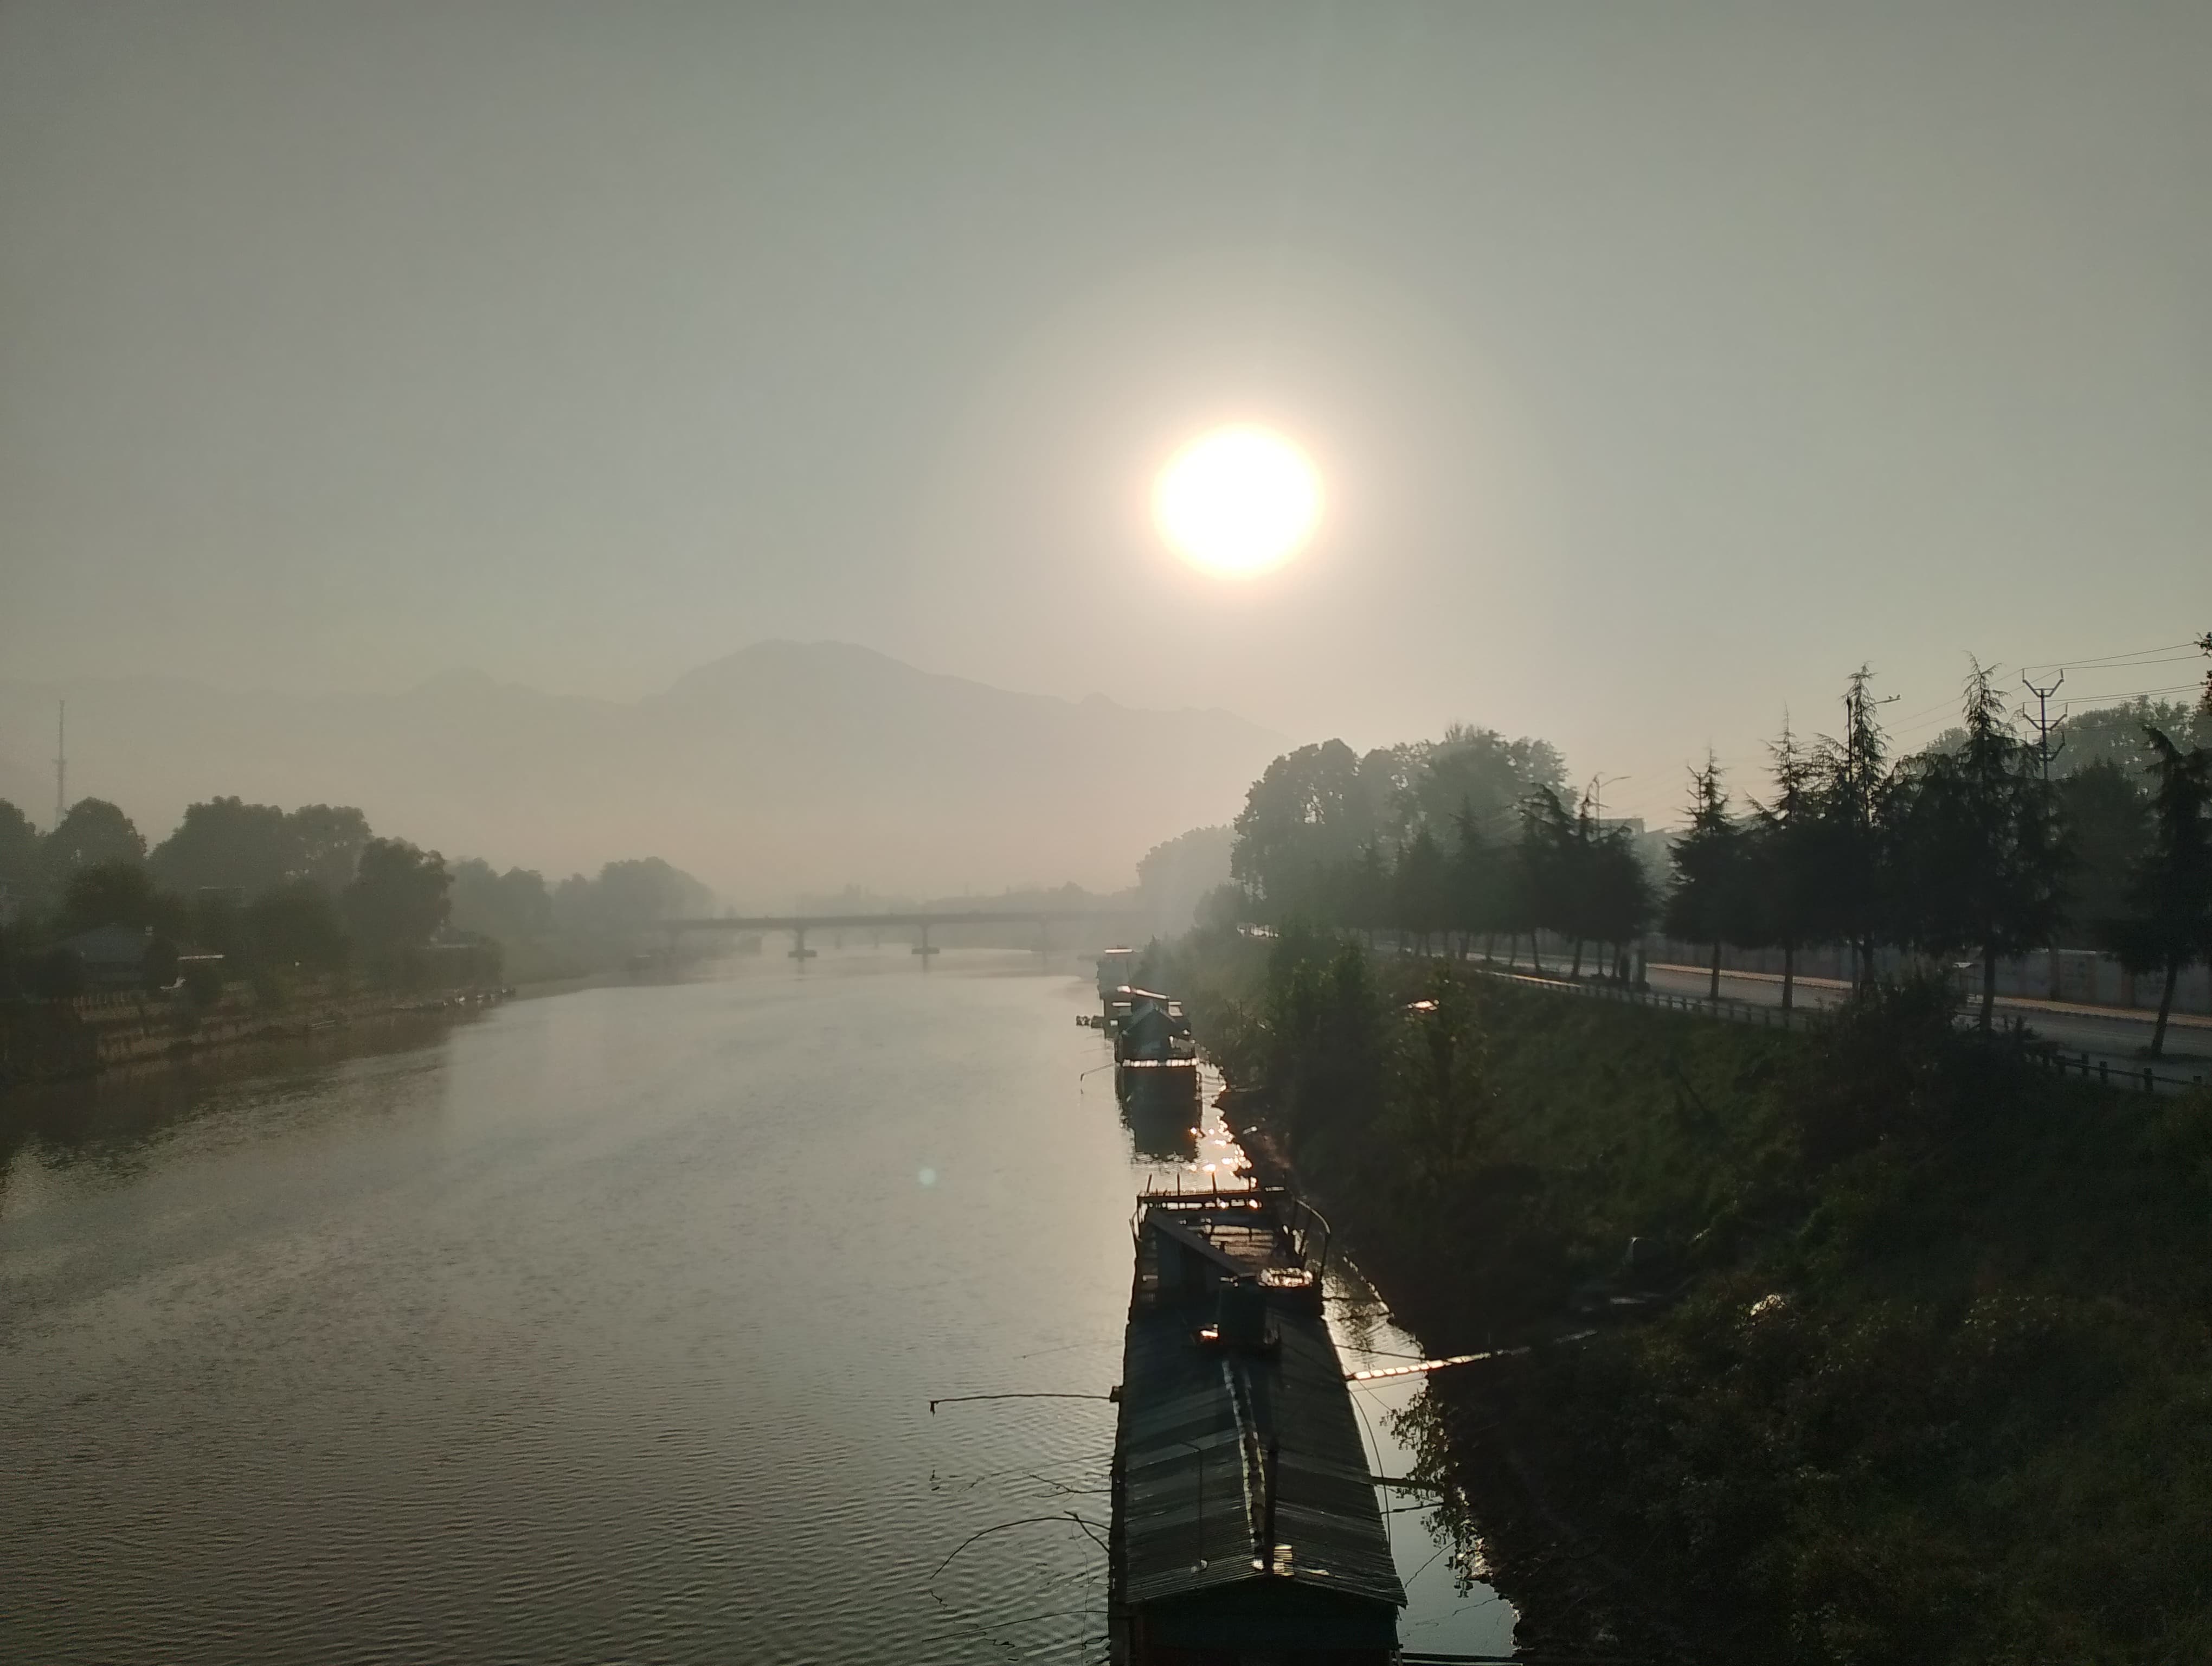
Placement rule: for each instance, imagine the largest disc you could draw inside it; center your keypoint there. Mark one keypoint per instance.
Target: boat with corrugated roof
(1245, 1527)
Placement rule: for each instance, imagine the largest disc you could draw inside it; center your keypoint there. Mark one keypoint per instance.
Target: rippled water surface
(603, 1327)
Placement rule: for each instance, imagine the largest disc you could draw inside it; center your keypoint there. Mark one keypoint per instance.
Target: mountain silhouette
(785, 767)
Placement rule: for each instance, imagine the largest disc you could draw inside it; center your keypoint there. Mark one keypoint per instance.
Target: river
(603, 1327)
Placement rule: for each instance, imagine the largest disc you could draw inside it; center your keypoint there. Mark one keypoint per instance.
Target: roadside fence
(2087, 1066)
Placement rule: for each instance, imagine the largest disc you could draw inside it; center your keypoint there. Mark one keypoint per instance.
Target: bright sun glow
(1238, 502)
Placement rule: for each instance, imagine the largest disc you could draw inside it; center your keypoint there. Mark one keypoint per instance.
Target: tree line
(257, 892)
(1975, 848)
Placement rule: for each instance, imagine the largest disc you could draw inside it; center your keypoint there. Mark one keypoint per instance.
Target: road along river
(601, 1327)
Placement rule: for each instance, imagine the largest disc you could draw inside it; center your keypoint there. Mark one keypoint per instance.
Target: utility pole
(61, 763)
(1597, 797)
(2045, 752)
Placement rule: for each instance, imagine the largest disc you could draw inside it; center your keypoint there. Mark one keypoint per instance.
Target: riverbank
(1898, 1352)
(54, 1041)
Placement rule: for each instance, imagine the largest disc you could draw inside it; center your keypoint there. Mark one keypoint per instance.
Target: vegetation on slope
(1927, 1372)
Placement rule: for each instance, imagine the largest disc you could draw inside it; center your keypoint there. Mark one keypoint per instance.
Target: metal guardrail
(2086, 1065)
(1728, 1006)
(2145, 1079)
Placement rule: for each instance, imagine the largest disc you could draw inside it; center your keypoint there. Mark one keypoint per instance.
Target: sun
(1238, 502)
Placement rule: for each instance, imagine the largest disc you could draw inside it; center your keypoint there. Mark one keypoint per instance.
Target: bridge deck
(785, 922)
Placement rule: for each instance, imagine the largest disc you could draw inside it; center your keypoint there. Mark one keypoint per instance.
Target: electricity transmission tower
(2045, 728)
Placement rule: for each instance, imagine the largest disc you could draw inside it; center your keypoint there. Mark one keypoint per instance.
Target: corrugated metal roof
(1239, 1465)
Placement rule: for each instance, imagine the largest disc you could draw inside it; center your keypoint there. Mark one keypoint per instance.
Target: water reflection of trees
(1424, 1428)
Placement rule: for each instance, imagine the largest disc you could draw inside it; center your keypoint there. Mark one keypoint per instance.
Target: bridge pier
(923, 949)
(799, 951)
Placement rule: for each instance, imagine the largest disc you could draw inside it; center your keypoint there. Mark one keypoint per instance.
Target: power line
(2109, 659)
(1906, 730)
(2130, 664)
(1948, 703)
(2140, 694)
(1943, 712)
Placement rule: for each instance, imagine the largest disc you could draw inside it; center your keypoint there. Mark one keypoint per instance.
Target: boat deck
(1244, 1517)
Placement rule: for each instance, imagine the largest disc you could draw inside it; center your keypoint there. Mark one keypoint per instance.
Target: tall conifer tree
(1707, 900)
(1987, 859)
(1784, 859)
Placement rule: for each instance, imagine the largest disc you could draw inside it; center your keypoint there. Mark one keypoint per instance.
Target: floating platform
(1168, 1080)
(1244, 1521)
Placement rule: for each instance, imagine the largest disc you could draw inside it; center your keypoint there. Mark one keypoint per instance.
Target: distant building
(113, 957)
(11, 905)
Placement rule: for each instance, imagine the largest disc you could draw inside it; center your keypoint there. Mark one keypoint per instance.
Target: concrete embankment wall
(53, 1040)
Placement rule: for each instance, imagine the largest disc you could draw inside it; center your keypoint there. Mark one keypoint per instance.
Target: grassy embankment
(1931, 1378)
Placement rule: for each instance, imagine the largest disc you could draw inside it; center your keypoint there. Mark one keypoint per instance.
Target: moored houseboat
(1114, 968)
(1245, 1528)
(1155, 1056)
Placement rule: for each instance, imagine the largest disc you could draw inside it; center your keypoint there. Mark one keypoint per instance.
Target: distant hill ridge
(784, 767)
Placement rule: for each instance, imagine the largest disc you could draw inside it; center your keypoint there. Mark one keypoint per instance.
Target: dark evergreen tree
(1850, 828)
(1988, 862)
(2106, 818)
(1515, 897)
(1420, 901)
(1546, 869)
(2168, 924)
(1709, 901)
(1784, 861)
(1476, 882)
(1614, 897)
(1358, 892)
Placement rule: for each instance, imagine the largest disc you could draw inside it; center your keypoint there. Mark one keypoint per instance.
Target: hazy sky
(1663, 361)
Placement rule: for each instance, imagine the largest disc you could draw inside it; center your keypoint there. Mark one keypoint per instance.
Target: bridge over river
(916, 922)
